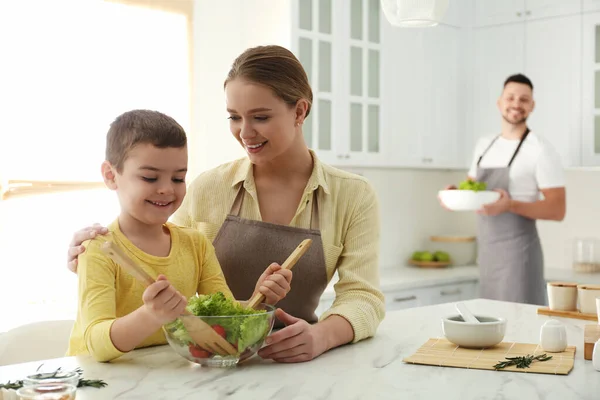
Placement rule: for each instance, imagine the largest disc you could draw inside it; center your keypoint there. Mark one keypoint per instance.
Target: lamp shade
(414, 13)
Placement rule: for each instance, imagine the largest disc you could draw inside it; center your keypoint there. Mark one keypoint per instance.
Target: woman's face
(261, 122)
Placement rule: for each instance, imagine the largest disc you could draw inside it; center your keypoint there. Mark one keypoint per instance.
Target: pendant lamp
(414, 13)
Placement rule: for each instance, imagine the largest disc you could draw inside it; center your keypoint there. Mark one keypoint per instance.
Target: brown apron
(245, 248)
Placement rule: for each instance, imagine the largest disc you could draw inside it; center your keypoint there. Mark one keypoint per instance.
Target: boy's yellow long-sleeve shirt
(107, 292)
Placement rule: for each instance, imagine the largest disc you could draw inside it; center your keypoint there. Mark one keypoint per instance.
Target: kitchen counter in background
(371, 369)
(413, 286)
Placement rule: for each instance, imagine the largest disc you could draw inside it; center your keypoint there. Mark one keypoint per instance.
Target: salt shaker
(553, 337)
(596, 356)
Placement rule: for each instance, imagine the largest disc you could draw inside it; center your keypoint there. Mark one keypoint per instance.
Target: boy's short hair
(141, 127)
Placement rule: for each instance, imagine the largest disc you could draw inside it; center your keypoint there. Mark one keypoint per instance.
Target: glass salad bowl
(245, 329)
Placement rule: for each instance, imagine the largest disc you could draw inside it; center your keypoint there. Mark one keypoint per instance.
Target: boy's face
(151, 185)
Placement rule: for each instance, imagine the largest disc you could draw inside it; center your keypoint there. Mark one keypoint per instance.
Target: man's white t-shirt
(537, 166)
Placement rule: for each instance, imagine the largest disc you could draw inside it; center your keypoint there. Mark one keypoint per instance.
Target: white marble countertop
(372, 369)
(408, 277)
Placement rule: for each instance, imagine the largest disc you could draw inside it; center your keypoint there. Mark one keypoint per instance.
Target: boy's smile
(151, 185)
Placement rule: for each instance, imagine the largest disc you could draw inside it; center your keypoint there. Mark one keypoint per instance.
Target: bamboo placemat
(440, 352)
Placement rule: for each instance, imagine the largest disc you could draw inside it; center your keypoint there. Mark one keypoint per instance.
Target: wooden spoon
(200, 332)
(287, 264)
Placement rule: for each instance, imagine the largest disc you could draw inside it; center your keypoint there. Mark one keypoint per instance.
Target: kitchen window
(69, 68)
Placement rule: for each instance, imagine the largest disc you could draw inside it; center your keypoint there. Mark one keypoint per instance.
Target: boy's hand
(163, 302)
(274, 283)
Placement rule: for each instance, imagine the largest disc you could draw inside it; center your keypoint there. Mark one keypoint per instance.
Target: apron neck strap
(237, 203)
(514, 154)
(314, 216)
(519, 146)
(236, 207)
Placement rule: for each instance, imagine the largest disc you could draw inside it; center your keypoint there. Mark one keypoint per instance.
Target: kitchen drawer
(450, 293)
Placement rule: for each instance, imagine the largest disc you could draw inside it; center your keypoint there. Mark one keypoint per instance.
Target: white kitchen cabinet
(424, 121)
(548, 51)
(553, 63)
(426, 296)
(591, 5)
(590, 140)
(339, 43)
(494, 12)
(498, 52)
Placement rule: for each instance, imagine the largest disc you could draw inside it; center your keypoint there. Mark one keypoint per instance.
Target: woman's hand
(299, 341)
(75, 247)
(274, 283)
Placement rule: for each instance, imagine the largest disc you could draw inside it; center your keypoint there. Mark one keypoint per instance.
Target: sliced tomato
(198, 352)
(220, 330)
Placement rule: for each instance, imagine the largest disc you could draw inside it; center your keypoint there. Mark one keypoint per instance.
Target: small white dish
(488, 332)
(553, 336)
(467, 200)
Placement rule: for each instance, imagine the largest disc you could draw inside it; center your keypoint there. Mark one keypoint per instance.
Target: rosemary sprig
(96, 383)
(521, 362)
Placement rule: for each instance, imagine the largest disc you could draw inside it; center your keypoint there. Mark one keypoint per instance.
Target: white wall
(582, 219)
(410, 213)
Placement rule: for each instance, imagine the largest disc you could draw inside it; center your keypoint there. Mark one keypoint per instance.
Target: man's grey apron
(245, 248)
(510, 256)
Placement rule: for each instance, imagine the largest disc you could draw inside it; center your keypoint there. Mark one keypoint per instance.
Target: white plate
(467, 200)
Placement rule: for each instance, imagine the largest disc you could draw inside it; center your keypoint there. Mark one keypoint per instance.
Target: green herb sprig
(96, 383)
(521, 362)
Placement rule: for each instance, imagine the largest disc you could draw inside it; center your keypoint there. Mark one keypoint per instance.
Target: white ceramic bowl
(487, 333)
(467, 200)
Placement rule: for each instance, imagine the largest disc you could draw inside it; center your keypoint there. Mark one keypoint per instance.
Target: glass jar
(586, 255)
(43, 378)
(47, 391)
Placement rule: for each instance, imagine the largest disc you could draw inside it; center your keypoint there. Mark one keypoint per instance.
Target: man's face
(516, 102)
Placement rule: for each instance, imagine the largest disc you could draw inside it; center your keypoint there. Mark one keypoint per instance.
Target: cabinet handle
(340, 156)
(527, 12)
(450, 292)
(347, 156)
(518, 14)
(407, 298)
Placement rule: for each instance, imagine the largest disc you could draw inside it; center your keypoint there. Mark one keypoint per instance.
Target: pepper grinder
(596, 356)
(553, 337)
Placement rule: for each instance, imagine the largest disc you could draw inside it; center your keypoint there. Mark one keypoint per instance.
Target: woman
(258, 209)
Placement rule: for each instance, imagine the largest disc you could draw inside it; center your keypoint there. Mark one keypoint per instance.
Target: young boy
(146, 164)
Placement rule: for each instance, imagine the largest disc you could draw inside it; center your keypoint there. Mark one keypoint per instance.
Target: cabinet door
(553, 63)
(313, 30)
(453, 293)
(535, 9)
(441, 146)
(590, 142)
(404, 73)
(591, 5)
(498, 52)
(402, 299)
(361, 44)
(494, 12)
